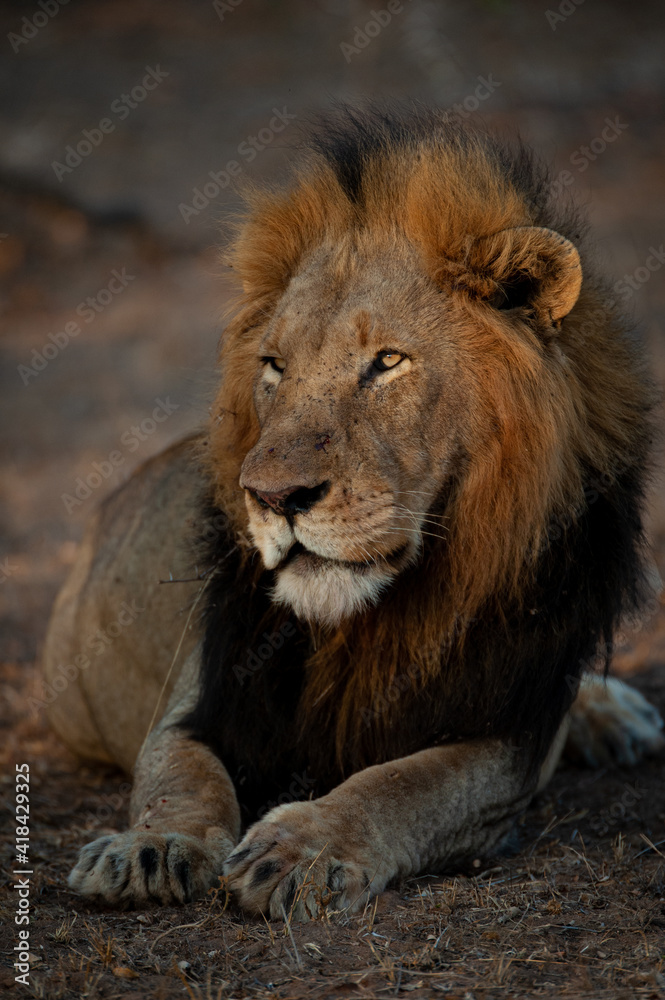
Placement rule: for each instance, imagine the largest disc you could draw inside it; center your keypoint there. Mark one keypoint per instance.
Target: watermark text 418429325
(22, 872)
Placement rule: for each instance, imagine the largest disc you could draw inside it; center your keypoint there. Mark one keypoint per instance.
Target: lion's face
(400, 368)
(359, 397)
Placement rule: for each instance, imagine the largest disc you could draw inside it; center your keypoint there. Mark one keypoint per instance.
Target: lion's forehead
(360, 306)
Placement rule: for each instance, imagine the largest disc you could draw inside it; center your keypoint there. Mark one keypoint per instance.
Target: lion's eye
(277, 364)
(386, 360)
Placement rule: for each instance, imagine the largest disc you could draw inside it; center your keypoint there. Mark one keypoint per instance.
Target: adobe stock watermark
(264, 652)
(618, 811)
(626, 287)
(88, 310)
(585, 155)
(30, 26)
(131, 441)
(486, 87)
(22, 867)
(121, 107)
(399, 685)
(363, 35)
(299, 788)
(109, 805)
(631, 626)
(593, 490)
(96, 642)
(631, 283)
(562, 13)
(248, 149)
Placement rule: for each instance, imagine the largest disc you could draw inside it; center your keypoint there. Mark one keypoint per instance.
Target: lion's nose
(293, 500)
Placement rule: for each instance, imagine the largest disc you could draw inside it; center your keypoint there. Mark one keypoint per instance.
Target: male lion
(415, 517)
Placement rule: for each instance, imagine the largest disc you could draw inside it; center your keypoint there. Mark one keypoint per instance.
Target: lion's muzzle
(292, 500)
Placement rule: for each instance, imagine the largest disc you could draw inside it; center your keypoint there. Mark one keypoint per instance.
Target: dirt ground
(577, 908)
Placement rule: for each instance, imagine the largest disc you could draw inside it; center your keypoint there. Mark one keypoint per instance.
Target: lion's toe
(135, 868)
(330, 888)
(286, 888)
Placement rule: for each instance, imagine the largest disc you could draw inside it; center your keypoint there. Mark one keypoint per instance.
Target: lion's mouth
(304, 559)
(324, 589)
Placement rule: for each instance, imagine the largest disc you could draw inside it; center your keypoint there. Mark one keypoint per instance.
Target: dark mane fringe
(408, 674)
(351, 138)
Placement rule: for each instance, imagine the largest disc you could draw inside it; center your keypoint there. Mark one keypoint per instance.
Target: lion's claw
(287, 868)
(137, 867)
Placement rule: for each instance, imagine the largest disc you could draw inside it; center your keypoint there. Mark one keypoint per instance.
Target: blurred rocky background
(123, 126)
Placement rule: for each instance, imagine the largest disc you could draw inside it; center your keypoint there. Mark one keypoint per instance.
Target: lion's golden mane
(542, 549)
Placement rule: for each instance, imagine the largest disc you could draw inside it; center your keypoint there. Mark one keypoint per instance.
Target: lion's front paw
(612, 723)
(135, 868)
(293, 865)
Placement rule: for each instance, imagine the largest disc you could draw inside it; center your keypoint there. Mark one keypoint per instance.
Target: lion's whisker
(369, 557)
(425, 520)
(413, 531)
(421, 493)
(420, 513)
(349, 537)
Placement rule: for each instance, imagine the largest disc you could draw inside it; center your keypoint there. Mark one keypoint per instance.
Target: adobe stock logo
(31, 25)
(632, 282)
(131, 441)
(299, 788)
(222, 7)
(6, 570)
(562, 13)
(121, 107)
(362, 36)
(95, 643)
(87, 310)
(248, 149)
(582, 157)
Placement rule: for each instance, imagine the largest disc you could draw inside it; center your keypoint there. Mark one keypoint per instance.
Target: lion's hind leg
(612, 723)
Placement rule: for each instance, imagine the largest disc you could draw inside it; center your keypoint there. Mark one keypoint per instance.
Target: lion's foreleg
(180, 786)
(433, 810)
(185, 820)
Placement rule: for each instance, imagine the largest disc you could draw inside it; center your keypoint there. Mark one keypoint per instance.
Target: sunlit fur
(547, 405)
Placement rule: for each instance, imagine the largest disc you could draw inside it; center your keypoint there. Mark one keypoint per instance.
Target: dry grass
(570, 914)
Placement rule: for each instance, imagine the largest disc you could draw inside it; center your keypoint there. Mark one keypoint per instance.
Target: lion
(342, 635)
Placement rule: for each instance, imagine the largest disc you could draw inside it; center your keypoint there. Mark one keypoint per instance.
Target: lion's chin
(328, 592)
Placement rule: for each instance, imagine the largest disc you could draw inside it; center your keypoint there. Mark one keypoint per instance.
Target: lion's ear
(528, 266)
